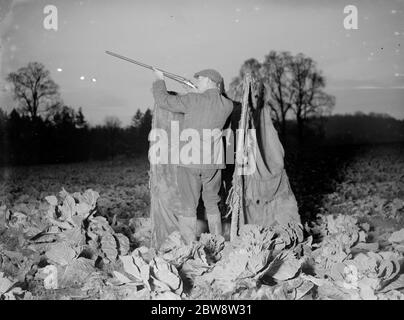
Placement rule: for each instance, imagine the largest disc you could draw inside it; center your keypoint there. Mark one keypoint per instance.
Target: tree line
(294, 88)
(67, 137)
(42, 129)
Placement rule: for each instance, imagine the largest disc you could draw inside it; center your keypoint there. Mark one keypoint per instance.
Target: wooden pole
(238, 205)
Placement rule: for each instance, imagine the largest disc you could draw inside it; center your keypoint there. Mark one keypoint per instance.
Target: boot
(187, 227)
(215, 223)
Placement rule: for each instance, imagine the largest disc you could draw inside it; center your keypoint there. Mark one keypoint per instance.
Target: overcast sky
(364, 68)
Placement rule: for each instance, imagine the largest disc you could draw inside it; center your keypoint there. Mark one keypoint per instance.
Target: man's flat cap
(211, 74)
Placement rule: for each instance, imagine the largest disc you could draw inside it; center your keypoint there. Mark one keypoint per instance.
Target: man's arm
(178, 103)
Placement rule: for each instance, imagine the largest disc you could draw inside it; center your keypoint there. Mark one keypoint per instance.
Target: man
(206, 108)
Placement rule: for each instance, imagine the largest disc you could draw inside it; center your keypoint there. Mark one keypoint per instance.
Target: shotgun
(167, 74)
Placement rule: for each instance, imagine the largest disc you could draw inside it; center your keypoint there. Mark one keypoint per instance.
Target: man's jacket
(208, 110)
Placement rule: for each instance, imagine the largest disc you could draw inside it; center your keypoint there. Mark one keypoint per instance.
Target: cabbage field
(81, 231)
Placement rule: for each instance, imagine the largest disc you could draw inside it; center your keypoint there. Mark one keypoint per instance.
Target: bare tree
(309, 99)
(275, 76)
(292, 83)
(33, 88)
(277, 80)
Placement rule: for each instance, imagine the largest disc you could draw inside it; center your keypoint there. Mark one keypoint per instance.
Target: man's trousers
(191, 183)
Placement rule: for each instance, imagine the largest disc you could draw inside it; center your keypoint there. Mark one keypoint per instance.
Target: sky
(364, 68)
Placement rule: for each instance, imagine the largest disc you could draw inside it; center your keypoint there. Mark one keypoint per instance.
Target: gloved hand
(159, 75)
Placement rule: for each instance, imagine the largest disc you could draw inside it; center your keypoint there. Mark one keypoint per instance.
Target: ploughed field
(81, 231)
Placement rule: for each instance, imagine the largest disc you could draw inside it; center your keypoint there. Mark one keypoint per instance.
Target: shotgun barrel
(167, 74)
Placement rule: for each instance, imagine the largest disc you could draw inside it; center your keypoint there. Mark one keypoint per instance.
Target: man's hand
(159, 75)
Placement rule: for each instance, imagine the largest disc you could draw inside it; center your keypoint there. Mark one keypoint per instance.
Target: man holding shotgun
(205, 108)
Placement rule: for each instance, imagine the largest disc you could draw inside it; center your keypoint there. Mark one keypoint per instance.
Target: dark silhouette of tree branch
(277, 79)
(34, 89)
(309, 99)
